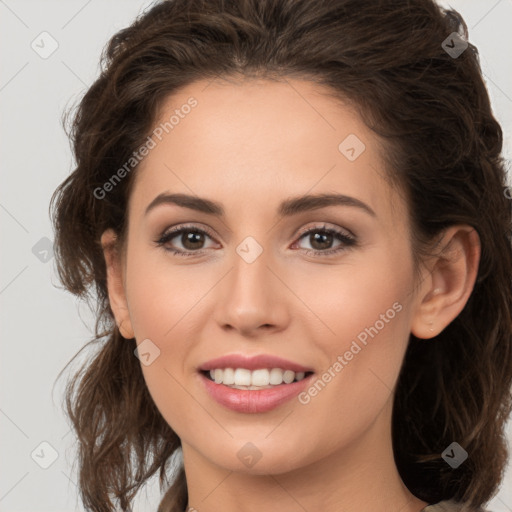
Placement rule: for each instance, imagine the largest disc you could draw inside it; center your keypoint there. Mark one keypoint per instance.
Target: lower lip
(255, 400)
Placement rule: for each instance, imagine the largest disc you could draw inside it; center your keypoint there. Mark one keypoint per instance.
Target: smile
(263, 378)
(253, 399)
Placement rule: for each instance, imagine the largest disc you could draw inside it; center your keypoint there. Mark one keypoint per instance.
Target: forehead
(250, 143)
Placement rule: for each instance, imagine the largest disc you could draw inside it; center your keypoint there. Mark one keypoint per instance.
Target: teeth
(241, 378)
(259, 377)
(276, 376)
(228, 377)
(288, 376)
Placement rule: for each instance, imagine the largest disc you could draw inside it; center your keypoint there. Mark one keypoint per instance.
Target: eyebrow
(287, 208)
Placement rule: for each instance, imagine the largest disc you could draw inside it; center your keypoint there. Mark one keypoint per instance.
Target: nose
(252, 298)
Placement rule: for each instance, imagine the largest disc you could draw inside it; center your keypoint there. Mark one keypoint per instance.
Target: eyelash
(347, 240)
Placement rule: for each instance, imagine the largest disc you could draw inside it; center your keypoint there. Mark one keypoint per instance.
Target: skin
(250, 145)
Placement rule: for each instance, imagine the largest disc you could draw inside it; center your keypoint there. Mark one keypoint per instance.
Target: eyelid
(179, 227)
(325, 226)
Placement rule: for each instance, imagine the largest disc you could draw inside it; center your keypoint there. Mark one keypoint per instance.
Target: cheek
(365, 314)
(164, 303)
(364, 302)
(161, 294)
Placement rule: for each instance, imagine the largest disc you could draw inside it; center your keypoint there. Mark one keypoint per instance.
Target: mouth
(253, 391)
(262, 378)
(253, 384)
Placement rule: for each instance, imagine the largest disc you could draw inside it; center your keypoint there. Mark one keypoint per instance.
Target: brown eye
(192, 239)
(184, 240)
(321, 240)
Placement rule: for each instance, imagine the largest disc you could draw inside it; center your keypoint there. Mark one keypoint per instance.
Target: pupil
(192, 240)
(318, 237)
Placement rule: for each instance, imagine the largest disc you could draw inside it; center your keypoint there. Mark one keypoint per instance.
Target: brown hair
(443, 146)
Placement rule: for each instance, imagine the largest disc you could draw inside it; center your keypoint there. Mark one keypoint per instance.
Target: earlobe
(446, 291)
(115, 285)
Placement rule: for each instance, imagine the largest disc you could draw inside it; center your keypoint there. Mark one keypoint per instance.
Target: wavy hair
(442, 148)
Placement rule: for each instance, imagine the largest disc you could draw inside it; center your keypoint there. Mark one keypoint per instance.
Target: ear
(115, 283)
(446, 290)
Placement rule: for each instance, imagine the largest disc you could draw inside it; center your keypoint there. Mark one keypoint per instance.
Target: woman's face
(265, 278)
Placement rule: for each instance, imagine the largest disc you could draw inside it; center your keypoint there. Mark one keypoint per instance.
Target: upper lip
(253, 363)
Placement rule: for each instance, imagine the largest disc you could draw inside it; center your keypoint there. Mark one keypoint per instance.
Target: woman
(291, 217)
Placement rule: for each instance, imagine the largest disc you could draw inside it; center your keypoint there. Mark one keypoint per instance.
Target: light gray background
(41, 326)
